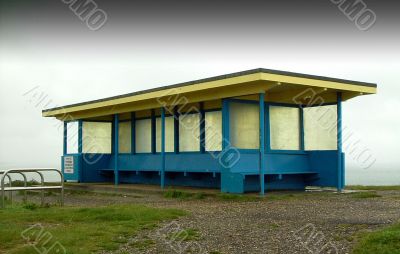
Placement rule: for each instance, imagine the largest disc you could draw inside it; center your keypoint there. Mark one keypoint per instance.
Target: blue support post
(262, 143)
(339, 142)
(80, 136)
(116, 148)
(301, 127)
(162, 147)
(225, 124)
(202, 128)
(153, 131)
(176, 130)
(65, 139)
(133, 133)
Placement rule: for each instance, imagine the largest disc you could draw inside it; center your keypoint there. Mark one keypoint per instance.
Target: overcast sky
(44, 46)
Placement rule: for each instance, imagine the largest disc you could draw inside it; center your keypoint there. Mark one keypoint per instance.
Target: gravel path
(317, 222)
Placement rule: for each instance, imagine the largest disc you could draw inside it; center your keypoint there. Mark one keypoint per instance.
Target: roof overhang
(279, 86)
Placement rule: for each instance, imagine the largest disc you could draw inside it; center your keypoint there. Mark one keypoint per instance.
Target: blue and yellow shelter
(249, 131)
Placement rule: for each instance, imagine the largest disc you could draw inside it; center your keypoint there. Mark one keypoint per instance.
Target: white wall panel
(72, 137)
(125, 137)
(244, 125)
(285, 128)
(143, 136)
(169, 134)
(189, 132)
(320, 128)
(96, 137)
(213, 131)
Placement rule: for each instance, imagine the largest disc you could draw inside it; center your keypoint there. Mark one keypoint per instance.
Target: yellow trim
(161, 93)
(317, 83)
(206, 91)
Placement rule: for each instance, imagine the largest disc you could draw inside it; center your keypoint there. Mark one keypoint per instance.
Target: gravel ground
(317, 222)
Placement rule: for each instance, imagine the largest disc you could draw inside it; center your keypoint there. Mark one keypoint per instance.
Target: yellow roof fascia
(117, 104)
(157, 94)
(318, 83)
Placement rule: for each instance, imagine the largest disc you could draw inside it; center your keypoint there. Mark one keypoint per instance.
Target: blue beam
(202, 128)
(162, 147)
(301, 128)
(116, 148)
(176, 129)
(133, 133)
(339, 142)
(262, 143)
(153, 131)
(65, 138)
(225, 124)
(80, 137)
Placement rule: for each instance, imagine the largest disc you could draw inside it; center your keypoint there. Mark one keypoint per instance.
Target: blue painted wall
(76, 175)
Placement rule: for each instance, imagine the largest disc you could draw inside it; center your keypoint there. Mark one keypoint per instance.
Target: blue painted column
(153, 131)
(262, 143)
(176, 130)
(162, 147)
(65, 138)
(80, 136)
(225, 124)
(133, 133)
(202, 128)
(301, 108)
(116, 148)
(80, 149)
(339, 142)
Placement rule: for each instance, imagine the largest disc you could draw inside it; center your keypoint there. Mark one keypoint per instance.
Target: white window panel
(285, 128)
(189, 132)
(320, 128)
(169, 134)
(244, 125)
(143, 136)
(96, 137)
(125, 137)
(213, 131)
(72, 137)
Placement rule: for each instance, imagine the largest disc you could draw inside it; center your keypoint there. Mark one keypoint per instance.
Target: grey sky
(69, 63)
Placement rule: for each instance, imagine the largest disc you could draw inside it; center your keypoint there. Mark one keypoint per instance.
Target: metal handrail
(42, 187)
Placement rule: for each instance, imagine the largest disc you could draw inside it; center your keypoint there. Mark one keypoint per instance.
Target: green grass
(384, 241)
(79, 230)
(19, 183)
(375, 188)
(368, 194)
(143, 244)
(237, 197)
(179, 194)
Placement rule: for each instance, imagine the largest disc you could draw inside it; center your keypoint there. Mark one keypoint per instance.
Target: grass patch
(384, 241)
(237, 197)
(179, 194)
(19, 183)
(375, 188)
(369, 194)
(142, 244)
(79, 230)
(30, 206)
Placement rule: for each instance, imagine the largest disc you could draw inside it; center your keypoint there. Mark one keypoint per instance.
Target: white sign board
(69, 164)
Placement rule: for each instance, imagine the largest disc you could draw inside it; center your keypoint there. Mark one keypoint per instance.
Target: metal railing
(42, 187)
